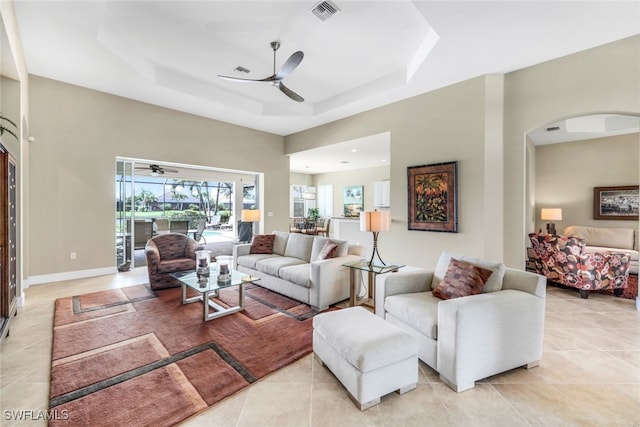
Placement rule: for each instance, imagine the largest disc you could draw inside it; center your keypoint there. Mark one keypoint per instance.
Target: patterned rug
(135, 357)
(630, 292)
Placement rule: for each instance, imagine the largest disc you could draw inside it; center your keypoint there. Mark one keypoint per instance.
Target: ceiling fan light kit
(276, 78)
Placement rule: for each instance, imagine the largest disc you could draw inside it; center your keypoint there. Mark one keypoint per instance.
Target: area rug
(134, 356)
(630, 292)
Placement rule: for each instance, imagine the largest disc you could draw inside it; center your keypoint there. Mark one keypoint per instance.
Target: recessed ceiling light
(353, 150)
(344, 162)
(383, 160)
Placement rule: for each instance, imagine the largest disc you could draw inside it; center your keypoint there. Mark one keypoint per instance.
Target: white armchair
(468, 338)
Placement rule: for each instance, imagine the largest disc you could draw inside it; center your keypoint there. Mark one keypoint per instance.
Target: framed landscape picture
(353, 200)
(433, 197)
(619, 202)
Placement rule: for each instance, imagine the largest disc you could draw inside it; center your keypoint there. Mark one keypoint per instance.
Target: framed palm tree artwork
(433, 197)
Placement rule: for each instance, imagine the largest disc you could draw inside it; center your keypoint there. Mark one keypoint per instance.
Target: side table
(372, 271)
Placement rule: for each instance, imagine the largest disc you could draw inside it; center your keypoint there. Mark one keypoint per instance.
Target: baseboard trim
(67, 275)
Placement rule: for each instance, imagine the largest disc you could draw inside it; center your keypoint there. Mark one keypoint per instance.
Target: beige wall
(444, 125)
(600, 80)
(482, 123)
(339, 180)
(79, 134)
(566, 174)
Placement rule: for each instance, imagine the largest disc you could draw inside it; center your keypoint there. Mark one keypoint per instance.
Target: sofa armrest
(407, 280)
(482, 335)
(329, 281)
(525, 281)
(240, 250)
(153, 256)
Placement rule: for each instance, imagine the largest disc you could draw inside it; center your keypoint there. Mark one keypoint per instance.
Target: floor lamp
(375, 222)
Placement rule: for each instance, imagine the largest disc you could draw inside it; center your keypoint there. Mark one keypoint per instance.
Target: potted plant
(313, 214)
(4, 129)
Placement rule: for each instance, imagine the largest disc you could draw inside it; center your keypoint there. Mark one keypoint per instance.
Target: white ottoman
(370, 357)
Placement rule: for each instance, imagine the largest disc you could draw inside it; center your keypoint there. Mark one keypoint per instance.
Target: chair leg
(618, 292)
(584, 294)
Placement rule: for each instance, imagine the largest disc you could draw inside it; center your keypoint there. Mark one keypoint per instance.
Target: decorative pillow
(262, 244)
(461, 279)
(329, 250)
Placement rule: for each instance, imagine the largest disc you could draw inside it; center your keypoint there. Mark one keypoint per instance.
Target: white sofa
(294, 270)
(608, 239)
(473, 337)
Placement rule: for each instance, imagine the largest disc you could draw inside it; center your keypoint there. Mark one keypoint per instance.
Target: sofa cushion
(280, 242)
(262, 244)
(299, 246)
(176, 264)
(599, 249)
(420, 310)
(298, 274)
(461, 279)
(272, 266)
(621, 238)
(250, 261)
(494, 283)
(636, 238)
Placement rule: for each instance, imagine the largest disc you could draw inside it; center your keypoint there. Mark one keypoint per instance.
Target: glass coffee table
(209, 287)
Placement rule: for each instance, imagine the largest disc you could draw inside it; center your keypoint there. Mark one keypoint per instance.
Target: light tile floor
(589, 375)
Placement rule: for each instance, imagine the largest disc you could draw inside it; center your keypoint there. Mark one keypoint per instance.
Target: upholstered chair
(563, 260)
(168, 253)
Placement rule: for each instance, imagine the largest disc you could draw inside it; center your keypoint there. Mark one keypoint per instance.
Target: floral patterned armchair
(563, 260)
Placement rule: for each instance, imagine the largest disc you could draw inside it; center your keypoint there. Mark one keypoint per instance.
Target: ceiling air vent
(553, 128)
(325, 10)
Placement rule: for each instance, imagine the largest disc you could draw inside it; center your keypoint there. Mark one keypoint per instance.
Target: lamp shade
(250, 215)
(551, 214)
(375, 221)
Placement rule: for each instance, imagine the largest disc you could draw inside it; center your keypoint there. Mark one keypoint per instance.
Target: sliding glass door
(125, 189)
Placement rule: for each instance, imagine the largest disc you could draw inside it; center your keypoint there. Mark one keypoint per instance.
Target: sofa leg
(618, 291)
(532, 365)
(584, 294)
(456, 387)
(406, 389)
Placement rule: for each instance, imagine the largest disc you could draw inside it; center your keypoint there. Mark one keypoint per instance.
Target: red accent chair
(563, 260)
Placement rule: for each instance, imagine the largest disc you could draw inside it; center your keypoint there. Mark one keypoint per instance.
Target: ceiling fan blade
(238, 79)
(289, 65)
(291, 94)
(169, 170)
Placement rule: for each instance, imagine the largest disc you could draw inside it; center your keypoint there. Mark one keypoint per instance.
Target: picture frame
(353, 201)
(619, 202)
(433, 197)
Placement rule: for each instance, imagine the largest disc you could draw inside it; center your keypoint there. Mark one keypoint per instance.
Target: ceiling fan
(156, 169)
(276, 78)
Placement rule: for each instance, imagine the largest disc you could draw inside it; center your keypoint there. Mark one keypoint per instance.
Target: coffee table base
(219, 310)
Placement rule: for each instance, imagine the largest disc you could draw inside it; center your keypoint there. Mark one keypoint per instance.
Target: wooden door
(8, 237)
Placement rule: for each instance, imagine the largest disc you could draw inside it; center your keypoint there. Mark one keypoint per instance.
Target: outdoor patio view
(201, 209)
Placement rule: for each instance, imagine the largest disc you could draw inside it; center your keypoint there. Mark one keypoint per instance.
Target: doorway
(155, 197)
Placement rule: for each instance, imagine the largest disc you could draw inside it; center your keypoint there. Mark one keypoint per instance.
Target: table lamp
(375, 221)
(252, 216)
(551, 214)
